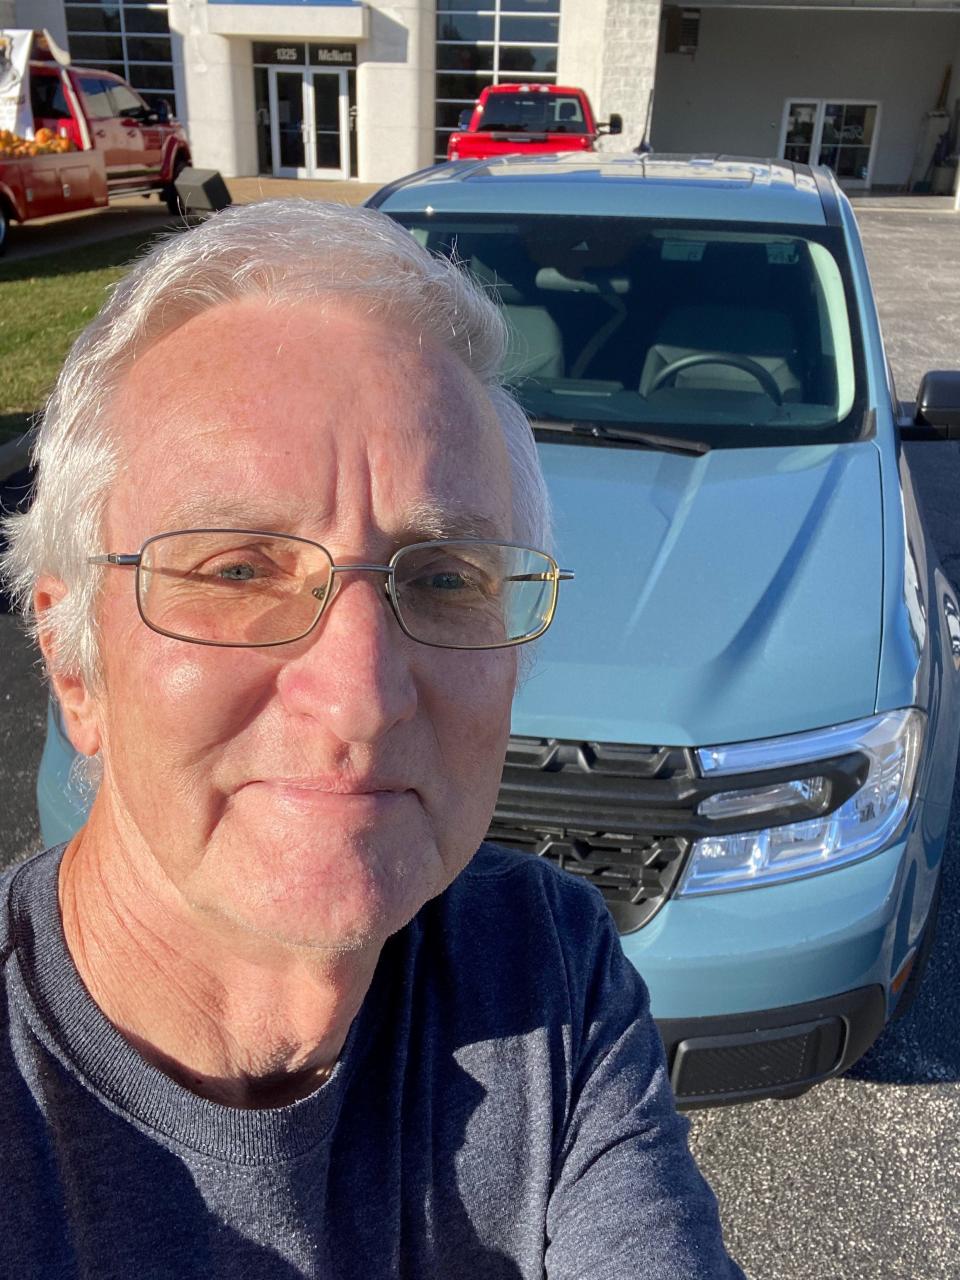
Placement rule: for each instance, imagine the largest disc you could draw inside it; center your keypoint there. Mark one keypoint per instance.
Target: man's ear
(78, 707)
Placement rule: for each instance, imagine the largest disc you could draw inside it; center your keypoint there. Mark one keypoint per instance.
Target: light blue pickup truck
(743, 727)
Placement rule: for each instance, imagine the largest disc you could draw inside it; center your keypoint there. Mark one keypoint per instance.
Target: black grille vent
(626, 816)
(609, 812)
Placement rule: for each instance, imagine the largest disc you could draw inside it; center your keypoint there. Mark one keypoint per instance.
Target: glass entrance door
(800, 125)
(288, 123)
(846, 140)
(841, 135)
(309, 119)
(330, 149)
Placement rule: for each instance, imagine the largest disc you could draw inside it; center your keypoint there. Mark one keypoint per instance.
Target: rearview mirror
(463, 120)
(613, 125)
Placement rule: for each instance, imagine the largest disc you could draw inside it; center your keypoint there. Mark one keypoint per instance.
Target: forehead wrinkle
(425, 519)
(451, 406)
(254, 512)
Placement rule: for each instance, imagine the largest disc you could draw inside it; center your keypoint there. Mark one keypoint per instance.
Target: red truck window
(533, 113)
(96, 97)
(125, 101)
(47, 98)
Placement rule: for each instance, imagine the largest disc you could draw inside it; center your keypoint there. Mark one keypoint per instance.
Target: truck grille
(614, 814)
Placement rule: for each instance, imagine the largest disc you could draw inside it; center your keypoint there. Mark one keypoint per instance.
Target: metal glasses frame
(133, 560)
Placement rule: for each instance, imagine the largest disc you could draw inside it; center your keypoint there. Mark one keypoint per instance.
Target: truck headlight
(861, 825)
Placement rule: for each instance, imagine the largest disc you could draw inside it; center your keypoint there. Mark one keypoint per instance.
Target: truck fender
(10, 204)
(173, 150)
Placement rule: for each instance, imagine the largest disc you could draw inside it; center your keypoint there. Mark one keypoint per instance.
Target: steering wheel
(768, 383)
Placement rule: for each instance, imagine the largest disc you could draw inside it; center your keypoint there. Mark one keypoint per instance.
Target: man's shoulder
(25, 877)
(503, 873)
(508, 904)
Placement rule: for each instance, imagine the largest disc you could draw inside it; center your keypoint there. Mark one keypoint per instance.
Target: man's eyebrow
(205, 511)
(433, 520)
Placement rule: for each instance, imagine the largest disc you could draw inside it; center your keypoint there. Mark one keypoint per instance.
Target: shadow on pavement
(924, 1046)
(28, 244)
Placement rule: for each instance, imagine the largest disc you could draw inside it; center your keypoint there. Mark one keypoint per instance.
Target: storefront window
(465, 26)
(483, 42)
(529, 30)
(130, 39)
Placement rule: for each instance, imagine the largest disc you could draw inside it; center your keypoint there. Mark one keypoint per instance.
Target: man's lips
(331, 795)
(335, 786)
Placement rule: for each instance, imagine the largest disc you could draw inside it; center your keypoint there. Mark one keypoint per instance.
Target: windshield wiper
(627, 435)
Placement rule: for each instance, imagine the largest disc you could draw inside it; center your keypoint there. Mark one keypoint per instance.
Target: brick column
(631, 35)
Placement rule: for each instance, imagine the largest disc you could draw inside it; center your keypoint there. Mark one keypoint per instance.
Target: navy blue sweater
(500, 1109)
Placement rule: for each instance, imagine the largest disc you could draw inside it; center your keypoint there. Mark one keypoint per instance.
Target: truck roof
(529, 88)
(711, 188)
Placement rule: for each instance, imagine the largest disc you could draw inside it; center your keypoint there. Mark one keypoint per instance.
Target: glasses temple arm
(563, 575)
(118, 560)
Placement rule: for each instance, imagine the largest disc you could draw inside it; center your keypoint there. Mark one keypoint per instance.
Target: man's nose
(354, 672)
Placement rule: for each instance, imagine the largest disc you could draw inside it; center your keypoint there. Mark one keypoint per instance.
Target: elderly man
(272, 1013)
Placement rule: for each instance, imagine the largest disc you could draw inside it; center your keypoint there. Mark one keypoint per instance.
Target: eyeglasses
(245, 588)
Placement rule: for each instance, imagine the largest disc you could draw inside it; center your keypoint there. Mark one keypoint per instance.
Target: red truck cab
(119, 146)
(527, 119)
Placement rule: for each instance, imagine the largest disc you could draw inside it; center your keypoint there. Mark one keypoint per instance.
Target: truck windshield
(533, 113)
(736, 334)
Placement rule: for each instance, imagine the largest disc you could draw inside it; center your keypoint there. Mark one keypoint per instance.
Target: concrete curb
(15, 454)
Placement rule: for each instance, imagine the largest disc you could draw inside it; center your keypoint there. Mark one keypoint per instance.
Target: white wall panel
(730, 95)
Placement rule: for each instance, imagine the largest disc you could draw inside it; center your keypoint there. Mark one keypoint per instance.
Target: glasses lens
(232, 587)
(474, 595)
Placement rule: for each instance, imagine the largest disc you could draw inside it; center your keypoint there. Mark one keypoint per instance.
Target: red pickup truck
(527, 119)
(120, 147)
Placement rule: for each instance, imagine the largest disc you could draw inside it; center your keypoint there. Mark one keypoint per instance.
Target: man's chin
(340, 900)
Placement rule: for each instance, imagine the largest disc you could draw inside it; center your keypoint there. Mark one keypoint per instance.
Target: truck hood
(719, 598)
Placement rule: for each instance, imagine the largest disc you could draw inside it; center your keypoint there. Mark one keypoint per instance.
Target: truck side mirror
(613, 125)
(159, 113)
(938, 405)
(463, 120)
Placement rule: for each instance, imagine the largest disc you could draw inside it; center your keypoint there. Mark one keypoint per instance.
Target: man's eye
(446, 581)
(236, 572)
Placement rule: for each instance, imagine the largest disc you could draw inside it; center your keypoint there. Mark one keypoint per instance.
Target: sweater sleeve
(627, 1199)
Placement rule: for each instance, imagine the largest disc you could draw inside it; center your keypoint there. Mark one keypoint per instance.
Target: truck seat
(760, 333)
(535, 347)
(534, 344)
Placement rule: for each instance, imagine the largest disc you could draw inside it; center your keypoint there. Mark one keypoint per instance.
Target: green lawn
(44, 303)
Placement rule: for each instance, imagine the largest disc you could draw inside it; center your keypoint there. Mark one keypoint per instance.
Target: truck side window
(47, 99)
(125, 101)
(96, 96)
(568, 116)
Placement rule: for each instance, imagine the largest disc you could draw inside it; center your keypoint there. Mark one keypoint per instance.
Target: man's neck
(246, 1022)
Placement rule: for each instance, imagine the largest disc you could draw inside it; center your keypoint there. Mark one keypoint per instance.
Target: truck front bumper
(769, 1054)
(767, 991)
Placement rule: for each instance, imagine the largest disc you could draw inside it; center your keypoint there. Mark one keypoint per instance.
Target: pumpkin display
(46, 143)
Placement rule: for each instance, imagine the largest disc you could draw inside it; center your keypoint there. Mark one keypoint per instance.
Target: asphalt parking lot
(859, 1178)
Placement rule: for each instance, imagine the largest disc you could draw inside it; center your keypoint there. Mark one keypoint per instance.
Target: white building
(370, 88)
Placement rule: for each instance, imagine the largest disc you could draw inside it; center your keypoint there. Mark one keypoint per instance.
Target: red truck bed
(36, 186)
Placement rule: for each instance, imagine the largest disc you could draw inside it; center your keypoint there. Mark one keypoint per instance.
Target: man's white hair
(284, 251)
